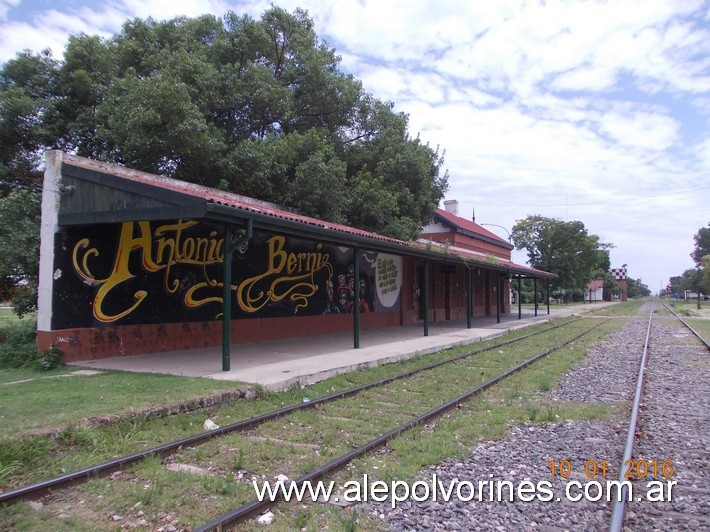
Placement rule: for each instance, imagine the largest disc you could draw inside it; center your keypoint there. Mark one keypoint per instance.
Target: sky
(596, 111)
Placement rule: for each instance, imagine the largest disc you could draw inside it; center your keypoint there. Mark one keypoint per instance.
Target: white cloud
(5, 6)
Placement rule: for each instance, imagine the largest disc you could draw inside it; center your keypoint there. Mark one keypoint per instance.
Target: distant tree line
(696, 280)
(567, 249)
(564, 248)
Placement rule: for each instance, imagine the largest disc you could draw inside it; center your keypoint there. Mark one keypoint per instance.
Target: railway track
(664, 468)
(580, 458)
(388, 395)
(76, 477)
(255, 507)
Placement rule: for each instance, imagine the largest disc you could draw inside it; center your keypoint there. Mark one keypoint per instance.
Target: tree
(636, 288)
(675, 287)
(702, 245)
(19, 249)
(563, 248)
(692, 280)
(706, 274)
(258, 107)
(27, 107)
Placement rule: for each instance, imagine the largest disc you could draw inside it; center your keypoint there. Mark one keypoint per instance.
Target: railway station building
(134, 263)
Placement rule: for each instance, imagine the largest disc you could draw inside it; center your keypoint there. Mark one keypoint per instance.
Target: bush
(20, 351)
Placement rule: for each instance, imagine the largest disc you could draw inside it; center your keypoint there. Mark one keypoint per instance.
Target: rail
(38, 489)
(255, 507)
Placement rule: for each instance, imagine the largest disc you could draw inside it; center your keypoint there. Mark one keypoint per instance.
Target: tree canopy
(258, 107)
(691, 279)
(695, 280)
(702, 245)
(19, 249)
(636, 288)
(563, 248)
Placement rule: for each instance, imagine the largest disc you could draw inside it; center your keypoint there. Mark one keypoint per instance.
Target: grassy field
(7, 318)
(55, 398)
(690, 308)
(34, 399)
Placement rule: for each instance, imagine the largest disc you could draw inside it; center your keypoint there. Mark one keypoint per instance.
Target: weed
(300, 521)
(78, 436)
(511, 395)
(239, 460)
(544, 383)
(7, 469)
(152, 491)
(19, 348)
(49, 358)
(532, 412)
(348, 521)
(550, 414)
(24, 452)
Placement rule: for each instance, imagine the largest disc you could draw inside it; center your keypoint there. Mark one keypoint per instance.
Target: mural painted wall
(171, 271)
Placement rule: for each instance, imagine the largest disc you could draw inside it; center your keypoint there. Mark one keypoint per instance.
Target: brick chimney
(452, 206)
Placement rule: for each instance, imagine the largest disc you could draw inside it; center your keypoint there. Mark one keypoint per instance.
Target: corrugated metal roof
(469, 225)
(263, 208)
(220, 197)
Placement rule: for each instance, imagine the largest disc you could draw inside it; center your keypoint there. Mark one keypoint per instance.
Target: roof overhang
(96, 193)
(479, 236)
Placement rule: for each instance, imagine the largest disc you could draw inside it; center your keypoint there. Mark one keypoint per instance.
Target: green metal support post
(520, 299)
(356, 301)
(426, 298)
(469, 298)
(499, 296)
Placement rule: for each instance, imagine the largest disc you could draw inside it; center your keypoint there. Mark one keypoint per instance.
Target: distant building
(594, 291)
(620, 276)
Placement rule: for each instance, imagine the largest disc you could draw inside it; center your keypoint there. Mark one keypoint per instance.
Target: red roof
(247, 204)
(469, 225)
(219, 197)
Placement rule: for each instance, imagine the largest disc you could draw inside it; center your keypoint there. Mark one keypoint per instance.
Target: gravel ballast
(677, 368)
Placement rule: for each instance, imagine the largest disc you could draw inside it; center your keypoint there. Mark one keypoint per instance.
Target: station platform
(280, 364)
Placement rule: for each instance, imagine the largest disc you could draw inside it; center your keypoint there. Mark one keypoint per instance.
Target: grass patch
(43, 403)
(702, 326)
(624, 308)
(13, 375)
(8, 318)
(691, 308)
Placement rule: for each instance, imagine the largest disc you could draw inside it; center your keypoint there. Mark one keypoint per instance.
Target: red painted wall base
(126, 340)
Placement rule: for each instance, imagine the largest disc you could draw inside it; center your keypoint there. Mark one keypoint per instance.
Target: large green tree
(702, 245)
(19, 249)
(706, 274)
(258, 107)
(563, 248)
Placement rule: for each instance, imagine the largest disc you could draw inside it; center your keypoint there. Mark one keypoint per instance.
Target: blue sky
(595, 111)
